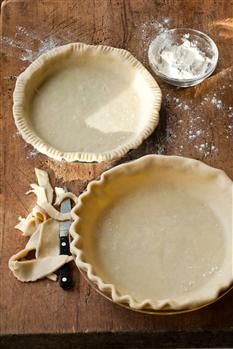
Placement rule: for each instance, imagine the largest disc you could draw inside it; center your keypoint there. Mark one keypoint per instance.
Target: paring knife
(65, 279)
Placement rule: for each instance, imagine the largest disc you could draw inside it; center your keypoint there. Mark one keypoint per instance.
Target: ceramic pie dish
(88, 103)
(160, 233)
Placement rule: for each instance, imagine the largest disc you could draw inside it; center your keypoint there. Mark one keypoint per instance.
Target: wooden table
(195, 122)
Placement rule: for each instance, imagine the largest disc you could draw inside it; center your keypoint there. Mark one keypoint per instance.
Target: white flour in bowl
(183, 61)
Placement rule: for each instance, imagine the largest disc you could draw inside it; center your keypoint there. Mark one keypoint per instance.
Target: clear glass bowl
(163, 41)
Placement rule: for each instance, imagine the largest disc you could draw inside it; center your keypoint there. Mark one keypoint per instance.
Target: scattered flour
(160, 149)
(181, 105)
(46, 45)
(32, 153)
(30, 49)
(155, 26)
(21, 31)
(194, 134)
(146, 32)
(194, 129)
(16, 134)
(217, 102)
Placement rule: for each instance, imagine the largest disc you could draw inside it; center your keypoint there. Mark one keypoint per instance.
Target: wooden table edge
(123, 340)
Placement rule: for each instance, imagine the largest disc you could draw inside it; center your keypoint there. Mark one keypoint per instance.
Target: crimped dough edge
(78, 48)
(110, 290)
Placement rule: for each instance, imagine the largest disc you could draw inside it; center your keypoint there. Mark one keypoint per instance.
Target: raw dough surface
(87, 103)
(160, 234)
(90, 106)
(163, 232)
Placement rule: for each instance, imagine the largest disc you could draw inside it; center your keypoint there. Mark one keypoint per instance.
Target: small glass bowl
(176, 37)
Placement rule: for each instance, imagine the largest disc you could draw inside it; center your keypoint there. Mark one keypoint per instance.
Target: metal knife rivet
(64, 279)
(63, 243)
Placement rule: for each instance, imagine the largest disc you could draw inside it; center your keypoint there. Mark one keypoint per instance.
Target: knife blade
(65, 279)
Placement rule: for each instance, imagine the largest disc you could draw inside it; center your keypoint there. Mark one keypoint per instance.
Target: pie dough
(160, 233)
(87, 103)
(42, 228)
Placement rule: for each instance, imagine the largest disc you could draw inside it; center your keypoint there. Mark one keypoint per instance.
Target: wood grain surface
(195, 122)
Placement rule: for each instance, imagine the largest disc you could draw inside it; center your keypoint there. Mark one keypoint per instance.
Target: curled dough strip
(65, 196)
(28, 225)
(43, 181)
(42, 201)
(45, 243)
(42, 226)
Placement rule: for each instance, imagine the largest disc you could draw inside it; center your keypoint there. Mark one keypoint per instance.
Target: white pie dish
(87, 103)
(160, 233)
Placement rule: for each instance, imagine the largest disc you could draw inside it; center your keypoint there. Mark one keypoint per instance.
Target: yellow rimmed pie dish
(156, 233)
(88, 103)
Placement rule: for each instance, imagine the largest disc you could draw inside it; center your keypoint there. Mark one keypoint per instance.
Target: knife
(65, 279)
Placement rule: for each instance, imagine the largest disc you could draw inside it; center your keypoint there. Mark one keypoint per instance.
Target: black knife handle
(64, 245)
(65, 279)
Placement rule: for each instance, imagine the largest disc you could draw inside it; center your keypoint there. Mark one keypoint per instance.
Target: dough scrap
(42, 228)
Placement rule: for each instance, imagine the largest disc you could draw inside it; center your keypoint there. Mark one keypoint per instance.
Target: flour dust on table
(147, 30)
(25, 50)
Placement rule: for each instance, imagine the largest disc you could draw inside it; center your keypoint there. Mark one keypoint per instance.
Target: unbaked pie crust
(86, 103)
(156, 233)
